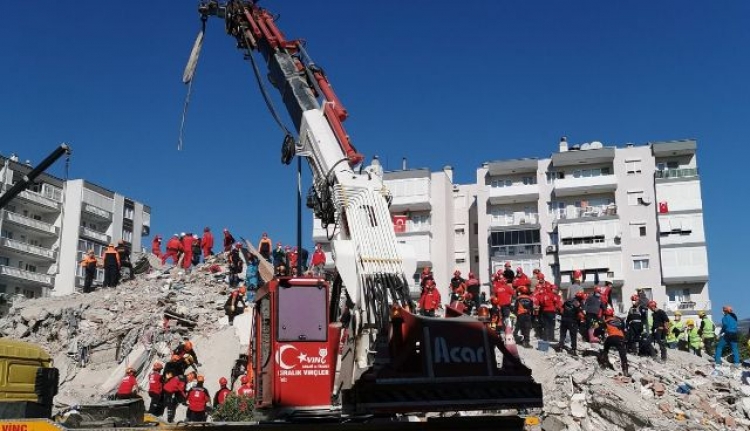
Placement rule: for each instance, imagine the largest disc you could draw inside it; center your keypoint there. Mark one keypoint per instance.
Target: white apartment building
(46, 229)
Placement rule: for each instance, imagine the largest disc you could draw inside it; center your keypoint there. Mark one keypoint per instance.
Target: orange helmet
(634, 297)
(609, 312)
(188, 345)
(243, 290)
(581, 295)
(175, 358)
(200, 378)
(244, 380)
(494, 300)
(130, 370)
(524, 290)
(223, 381)
(158, 366)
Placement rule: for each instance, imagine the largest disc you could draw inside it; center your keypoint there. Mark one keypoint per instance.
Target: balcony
(513, 194)
(95, 210)
(517, 219)
(520, 251)
(95, 235)
(420, 243)
(686, 306)
(676, 174)
(26, 275)
(28, 248)
(39, 200)
(30, 223)
(571, 186)
(588, 213)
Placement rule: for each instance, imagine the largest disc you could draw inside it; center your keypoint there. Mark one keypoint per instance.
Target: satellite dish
(585, 146)
(596, 145)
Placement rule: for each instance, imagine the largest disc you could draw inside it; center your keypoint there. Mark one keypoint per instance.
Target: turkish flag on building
(663, 208)
(399, 223)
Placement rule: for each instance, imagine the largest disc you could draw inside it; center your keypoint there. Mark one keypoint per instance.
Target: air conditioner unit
(551, 249)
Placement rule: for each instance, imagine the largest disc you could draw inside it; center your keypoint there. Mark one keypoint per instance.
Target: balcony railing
(677, 173)
(30, 222)
(515, 220)
(586, 212)
(515, 250)
(687, 305)
(28, 248)
(25, 275)
(97, 211)
(91, 233)
(39, 199)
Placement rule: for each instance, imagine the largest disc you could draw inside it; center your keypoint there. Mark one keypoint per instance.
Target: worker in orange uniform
(265, 247)
(111, 261)
(156, 389)
(424, 277)
(156, 246)
(187, 353)
(503, 292)
(198, 400)
(523, 310)
(174, 393)
(614, 328)
(472, 287)
(187, 250)
(246, 389)
(221, 395)
(318, 261)
(430, 300)
(89, 263)
(128, 386)
(228, 240)
(174, 248)
(207, 243)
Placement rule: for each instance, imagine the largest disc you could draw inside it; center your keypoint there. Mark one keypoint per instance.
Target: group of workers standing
(112, 260)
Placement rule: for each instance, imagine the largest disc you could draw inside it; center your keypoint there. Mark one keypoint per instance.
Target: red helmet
(507, 264)
(158, 366)
(651, 304)
(223, 381)
(581, 295)
(175, 358)
(634, 297)
(494, 300)
(597, 289)
(519, 270)
(188, 345)
(609, 312)
(457, 273)
(540, 276)
(524, 290)
(471, 275)
(244, 379)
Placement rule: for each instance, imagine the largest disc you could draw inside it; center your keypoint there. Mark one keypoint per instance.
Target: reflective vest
(694, 338)
(679, 325)
(708, 328)
(615, 327)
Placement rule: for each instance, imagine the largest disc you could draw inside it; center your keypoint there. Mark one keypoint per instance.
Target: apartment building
(45, 230)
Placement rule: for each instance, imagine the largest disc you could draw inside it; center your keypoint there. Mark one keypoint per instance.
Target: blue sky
(437, 82)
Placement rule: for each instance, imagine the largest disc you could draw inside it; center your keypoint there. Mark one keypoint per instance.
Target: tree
(235, 409)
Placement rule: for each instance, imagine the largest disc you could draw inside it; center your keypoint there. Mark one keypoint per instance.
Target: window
(501, 182)
(642, 230)
(637, 230)
(4, 261)
(528, 181)
(127, 235)
(640, 263)
(476, 228)
(635, 197)
(476, 259)
(633, 166)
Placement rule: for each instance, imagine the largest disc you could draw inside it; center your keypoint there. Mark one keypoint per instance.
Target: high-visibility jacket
(615, 326)
(708, 328)
(676, 329)
(503, 293)
(89, 263)
(524, 305)
(156, 246)
(198, 398)
(694, 338)
(208, 241)
(111, 257)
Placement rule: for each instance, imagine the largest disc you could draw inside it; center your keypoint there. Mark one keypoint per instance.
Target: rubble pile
(91, 336)
(685, 393)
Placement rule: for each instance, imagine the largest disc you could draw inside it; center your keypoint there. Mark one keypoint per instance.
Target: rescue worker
(707, 329)
(279, 256)
(235, 265)
(187, 250)
(198, 401)
(190, 384)
(221, 395)
(569, 313)
(123, 251)
(185, 350)
(575, 287)
(246, 389)
(508, 273)
(174, 249)
(251, 276)
(156, 246)
(265, 247)
(291, 257)
(675, 336)
(89, 264)
(457, 280)
(635, 327)
(520, 279)
(228, 240)
(549, 307)
(174, 393)
(593, 309)
(235, 304)
(425, 276)
(196, 250)
(318, 261)
(111, 261)
(607, 294)
(728, 335)
(614, 328)
(207, 243)
(660, 326)
(503, 294)
(523, 310)
(472, 287)
(694, 339)
(128, 386)
(430, 300)
(155, 390)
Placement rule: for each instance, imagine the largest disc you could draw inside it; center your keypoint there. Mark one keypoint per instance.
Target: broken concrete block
(665, 407)
(659, 389)
(553, 423)
(578, 405)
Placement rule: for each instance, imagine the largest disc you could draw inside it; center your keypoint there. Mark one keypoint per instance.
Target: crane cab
(295, 348)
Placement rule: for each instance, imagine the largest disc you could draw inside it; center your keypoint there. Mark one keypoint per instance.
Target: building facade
(47, 228)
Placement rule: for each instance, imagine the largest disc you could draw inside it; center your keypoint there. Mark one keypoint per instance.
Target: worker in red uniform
(508, 273)
(187, 354)
(187, 250)
(614, 328)
(228, 240)
(246, 389)
(174, 393)
(174, 248)
(111, 261)
(430, 300)
(198, 400)
(156, 389)
(207, 243)
(128, 386)
(265, 247)
(520, 279)
(424, 277)
(292, 257)
(156, 246)
(318, 261)
(472, 288)
(503, 293)
(549, 305)
(221, 395)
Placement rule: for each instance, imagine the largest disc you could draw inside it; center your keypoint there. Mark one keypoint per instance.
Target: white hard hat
(182, 234)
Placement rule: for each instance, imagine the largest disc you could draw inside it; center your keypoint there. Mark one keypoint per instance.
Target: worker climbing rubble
(174, 250)
(156, 390)
(265, 247)
(207, 243)
(614, 330)
(235, 304)
(128, 386)
(228, 240)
